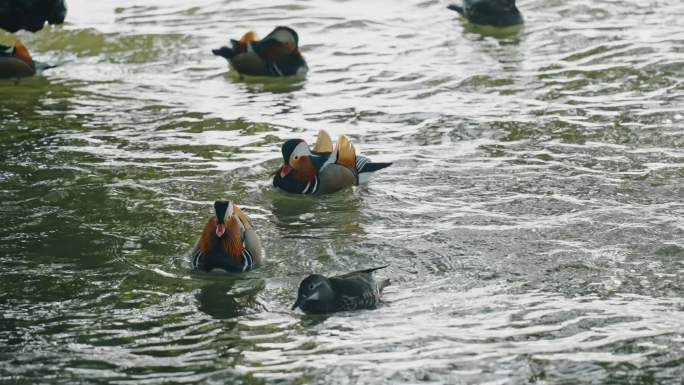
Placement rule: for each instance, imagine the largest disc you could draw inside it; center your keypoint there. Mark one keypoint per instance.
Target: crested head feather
(220, 209)
(285, 35)
(288, 147)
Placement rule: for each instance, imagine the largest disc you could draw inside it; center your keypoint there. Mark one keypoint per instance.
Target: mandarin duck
(324, 168)
(16, 62)
(228, 242)
(275, 55)
(352, 291)
(496, 13)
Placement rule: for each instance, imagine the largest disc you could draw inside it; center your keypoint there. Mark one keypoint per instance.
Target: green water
(533, 219)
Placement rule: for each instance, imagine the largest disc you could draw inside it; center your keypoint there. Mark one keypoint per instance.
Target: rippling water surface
(533, 220)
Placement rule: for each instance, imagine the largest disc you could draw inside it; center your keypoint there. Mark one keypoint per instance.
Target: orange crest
(22, 53)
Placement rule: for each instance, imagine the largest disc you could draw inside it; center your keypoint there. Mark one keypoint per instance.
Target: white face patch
(284, 36)
(230, 211)
(314, 297)
(301, 150)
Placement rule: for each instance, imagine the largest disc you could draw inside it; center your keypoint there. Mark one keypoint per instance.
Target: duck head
(314, 292)
(296, 155)
(285, 36)
(223, 210)
(223, 230)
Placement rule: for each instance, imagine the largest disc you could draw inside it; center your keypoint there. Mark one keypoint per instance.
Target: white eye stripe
(302, 149)
(229, 212)
(284, 37)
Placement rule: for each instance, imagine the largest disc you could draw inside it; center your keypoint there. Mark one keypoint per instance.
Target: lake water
(533, 219)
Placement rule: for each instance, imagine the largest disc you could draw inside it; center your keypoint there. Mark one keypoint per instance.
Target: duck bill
(298, 303)
(285, 170)
(220, 229)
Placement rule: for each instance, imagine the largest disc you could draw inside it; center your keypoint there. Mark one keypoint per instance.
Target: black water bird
(496, 13)
(30, 15)
(352, 291)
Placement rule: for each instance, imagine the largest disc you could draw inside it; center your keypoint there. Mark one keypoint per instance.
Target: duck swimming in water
(352, 291)
(275, 55)
(228, 242)
(16, 62)
(324, 168)
(496, 13)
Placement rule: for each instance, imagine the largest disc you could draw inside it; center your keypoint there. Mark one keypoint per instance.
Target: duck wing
(356, 290)
(366, 272)
(323, 142)
(346, 153)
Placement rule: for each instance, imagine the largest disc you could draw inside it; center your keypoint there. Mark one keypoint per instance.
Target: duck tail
(383, 284)
(323, 142)
(225, 52)
(364, 164)
(372, 269)
(346, 153)
(366, 168)
(456, 8)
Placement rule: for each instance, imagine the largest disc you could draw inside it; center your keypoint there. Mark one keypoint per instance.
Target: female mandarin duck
(228, 242)
(322, 170)
(16, 62)
(275, 55)
(497, 13)
(351, 291)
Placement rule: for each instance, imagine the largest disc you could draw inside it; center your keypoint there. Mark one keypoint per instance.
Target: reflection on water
(225, 300)
(532, 218)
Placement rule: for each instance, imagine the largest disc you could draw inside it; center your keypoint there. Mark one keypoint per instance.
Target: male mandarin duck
(497, 13)
(352, 291)
(16, 62)
(228, 242)
(323, 169)
(275, 55)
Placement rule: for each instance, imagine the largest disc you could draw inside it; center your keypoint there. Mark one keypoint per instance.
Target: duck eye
(296, 157)
(311, 287)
